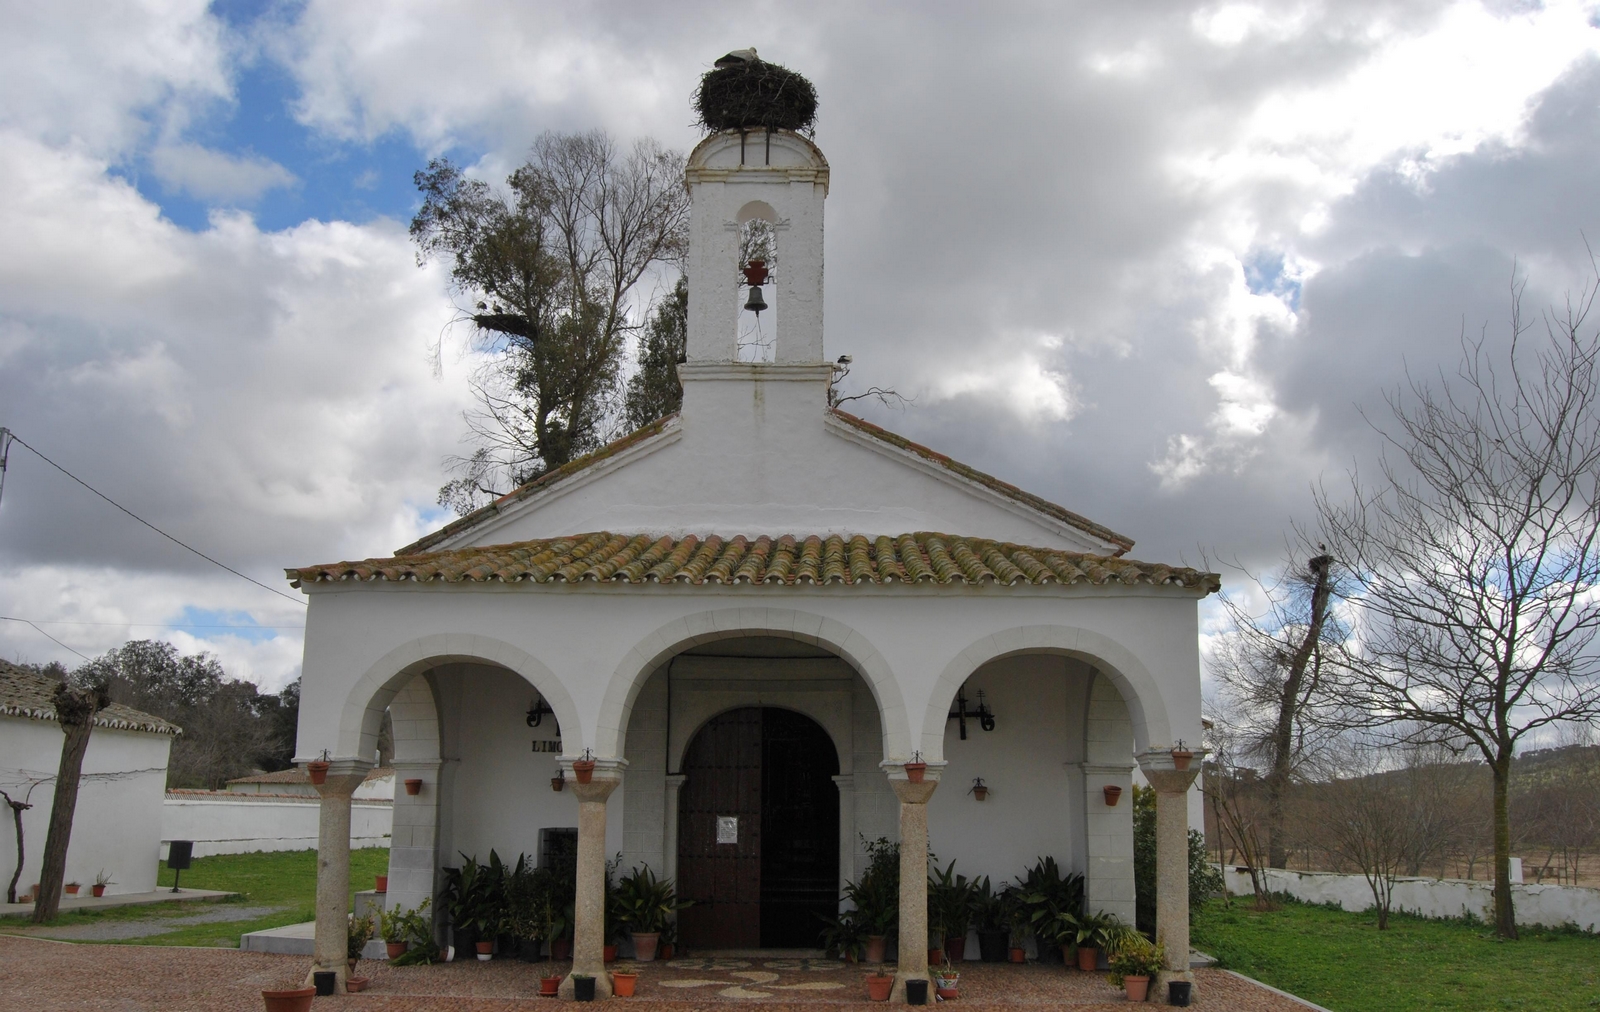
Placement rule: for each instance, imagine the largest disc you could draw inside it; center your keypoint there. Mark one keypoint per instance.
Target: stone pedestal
(330, 950)
(589, 911)
(1172, 862)
(913, 962)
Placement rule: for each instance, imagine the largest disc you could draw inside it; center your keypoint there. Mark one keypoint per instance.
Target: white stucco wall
(224, 824)
(117, 821)
(1549, 905)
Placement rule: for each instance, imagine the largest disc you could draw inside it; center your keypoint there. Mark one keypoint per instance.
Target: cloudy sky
(1147, 259)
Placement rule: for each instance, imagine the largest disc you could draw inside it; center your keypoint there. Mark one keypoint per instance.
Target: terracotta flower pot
(935, 957)
(396, 949)
(622, 984)
(584, 770)
(609, 953)
(1019, 954)
(1113, 795)
(318, 770)
(645, 944)
(380, 883)
(414, 786)
(1138, 988)
(666, 951)
(556, 783)
(1087, 958)
(355, 985)
(980, 793)
(1181, 758)
(947, 986)
(549, 987)
(877, 948)
(878, 987)
(296, 1000)
(71, 888)
(99, 891)
(485, 950)
(916, 771)
(956, 948)
(561, 949)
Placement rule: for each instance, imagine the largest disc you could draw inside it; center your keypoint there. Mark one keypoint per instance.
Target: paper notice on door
(727, 829)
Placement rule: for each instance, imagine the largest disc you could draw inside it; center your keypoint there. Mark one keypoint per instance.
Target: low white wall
(116, 823)
(223, 823)
(1548, 905)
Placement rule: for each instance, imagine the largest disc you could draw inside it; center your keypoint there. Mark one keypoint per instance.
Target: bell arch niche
(756, 329)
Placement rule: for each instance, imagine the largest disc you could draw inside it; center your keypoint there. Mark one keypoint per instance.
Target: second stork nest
(756, 94)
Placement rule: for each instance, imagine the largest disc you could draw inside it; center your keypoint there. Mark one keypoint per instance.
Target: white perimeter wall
(241, 824)
(117, 822)
(1549, 905)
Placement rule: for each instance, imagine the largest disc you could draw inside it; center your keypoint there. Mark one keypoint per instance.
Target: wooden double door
(758, 832)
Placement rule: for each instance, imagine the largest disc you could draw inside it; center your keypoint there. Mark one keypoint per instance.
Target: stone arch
(1147, 710)
(381, 683)
(709, 626)
(756, 209)
(837, 730)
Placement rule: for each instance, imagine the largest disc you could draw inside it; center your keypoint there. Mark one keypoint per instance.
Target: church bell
(755, 303)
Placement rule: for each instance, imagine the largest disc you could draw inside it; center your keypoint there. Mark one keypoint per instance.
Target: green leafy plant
(1205, 881)
(988, 907)
(646, 904)
(951, 898)
(357, 935)
(1098, 930)
(875, 896)
(402, 925)
(844, 937)
(1045, 894)
(1134, 956)
(474, 898)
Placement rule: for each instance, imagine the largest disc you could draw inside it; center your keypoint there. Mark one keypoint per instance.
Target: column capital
(1158, 767)
(676, 780)
(344, 776)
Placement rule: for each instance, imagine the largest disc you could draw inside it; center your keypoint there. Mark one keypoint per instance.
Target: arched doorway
(758, 831)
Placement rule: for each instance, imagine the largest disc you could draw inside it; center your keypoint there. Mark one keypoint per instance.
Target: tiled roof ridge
(304, 799)
(299, 775)
(544, 481)
(31, 696)
(790, 560)
(988, 481)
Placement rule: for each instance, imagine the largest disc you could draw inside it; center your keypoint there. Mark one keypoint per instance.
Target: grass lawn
(1341, 960)
(285, 880)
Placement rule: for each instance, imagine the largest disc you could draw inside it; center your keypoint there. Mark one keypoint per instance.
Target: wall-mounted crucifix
(984, 715)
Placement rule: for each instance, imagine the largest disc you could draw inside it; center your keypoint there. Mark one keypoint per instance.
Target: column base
(602, 986)
(1158, 986)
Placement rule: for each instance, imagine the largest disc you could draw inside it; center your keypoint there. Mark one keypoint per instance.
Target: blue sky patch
(209, 624)
(1265, 274)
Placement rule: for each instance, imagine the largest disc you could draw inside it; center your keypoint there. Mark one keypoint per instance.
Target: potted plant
(843, 937)
(583, 769)
(1113, 794)
(470, 901)
(950, 903)
(100, 882)
(1182, 755)
(582, 987)
(380, 883)
(916, 769)
(399, 926)
(946, 982)
(1133, 962)
(989, 916)
(293, 1000)
(358, 933)
(623, 984)
(1044, 893)
(72, 888)
(1091, 934)
(645, 904)
(318, 769)
(879, 985)
(1017, 921)
(414, 786)
(669, 940)
(550, 987)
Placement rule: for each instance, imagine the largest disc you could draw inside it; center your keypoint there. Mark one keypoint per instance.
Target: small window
(558, 850)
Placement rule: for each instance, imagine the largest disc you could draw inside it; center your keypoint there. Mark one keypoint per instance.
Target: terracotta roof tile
(602, 557)
(25, 694)
(298, 775)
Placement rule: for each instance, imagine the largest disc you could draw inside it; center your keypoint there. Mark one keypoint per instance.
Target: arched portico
(706, 627)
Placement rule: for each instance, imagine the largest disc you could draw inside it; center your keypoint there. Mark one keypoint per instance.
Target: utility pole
(5, 448)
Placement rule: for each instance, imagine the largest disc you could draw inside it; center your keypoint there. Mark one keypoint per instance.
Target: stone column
(913, 961)
(669, 832)
(330, 950)
(1172, 861)
(589, 913)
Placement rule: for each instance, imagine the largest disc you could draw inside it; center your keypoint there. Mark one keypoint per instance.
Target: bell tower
(736, 177)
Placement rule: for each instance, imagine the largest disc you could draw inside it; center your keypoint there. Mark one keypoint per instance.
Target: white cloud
(216, 176)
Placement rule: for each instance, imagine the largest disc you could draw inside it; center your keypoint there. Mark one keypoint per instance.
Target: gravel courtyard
(46, 976)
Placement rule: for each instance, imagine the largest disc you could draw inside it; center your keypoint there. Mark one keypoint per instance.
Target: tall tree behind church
(550, 265)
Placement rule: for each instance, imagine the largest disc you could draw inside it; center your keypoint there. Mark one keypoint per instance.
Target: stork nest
(756, 94)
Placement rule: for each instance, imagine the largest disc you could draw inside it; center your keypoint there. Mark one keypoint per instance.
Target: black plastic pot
(1178, 993)
(916, 992)
(993, 946)
(530, 950)
(324, 981)
(583, 989)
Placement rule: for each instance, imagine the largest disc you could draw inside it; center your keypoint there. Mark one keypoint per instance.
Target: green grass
(285, 879)
(1341, 960)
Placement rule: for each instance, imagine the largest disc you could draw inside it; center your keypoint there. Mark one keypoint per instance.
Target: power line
(41, 632)
(19, 440)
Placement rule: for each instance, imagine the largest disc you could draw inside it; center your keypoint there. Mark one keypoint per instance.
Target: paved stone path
(45, 976)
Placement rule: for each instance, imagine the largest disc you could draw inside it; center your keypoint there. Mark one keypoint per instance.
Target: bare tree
(18, 806)
(1473, 560)
(1368, 823)
(1234, 792)
(1274, 680)
(75, 706)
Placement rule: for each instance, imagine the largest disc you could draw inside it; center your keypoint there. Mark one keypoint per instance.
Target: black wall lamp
(984, 715)
(537, 711)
